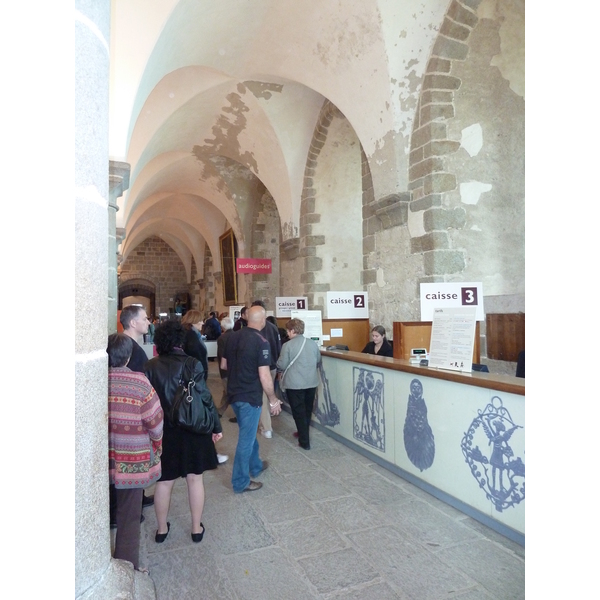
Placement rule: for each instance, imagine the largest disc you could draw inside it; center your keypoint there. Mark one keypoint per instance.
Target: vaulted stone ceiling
(209, 98)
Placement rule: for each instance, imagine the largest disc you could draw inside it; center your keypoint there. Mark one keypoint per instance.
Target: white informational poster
(347, 305)
(284, 305)
(234, 312)
(442, 295)
(313, 323)
(452, 338)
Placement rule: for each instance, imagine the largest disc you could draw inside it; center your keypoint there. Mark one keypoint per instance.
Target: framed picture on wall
(227, 245)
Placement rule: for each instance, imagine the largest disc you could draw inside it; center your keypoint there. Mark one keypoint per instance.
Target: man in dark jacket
(212, 327)
(242, 321)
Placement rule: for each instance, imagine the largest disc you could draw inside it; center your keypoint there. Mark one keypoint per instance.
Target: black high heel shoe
(159, 538)
(197, 537)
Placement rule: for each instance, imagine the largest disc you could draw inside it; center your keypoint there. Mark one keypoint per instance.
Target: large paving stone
(337, 570)
(404, 563)
(266, 574)
(499, 571)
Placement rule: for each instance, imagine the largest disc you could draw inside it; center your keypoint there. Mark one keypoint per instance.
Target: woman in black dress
(185, 454)
(379, 346)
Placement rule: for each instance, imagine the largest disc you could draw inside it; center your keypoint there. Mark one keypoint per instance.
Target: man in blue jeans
(246, 355)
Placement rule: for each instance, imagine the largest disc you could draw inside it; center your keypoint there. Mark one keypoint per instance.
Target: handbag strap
(182, 378)
(295, 357)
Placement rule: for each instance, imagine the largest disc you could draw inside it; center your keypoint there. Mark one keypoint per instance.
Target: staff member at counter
(379, 346)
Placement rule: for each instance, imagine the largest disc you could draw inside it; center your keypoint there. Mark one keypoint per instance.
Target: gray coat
(303, 373)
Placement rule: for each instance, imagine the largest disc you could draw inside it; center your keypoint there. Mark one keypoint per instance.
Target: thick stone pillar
(119, 183)
(97, 575)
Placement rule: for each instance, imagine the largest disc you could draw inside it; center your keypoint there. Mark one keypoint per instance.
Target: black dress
(184, 452)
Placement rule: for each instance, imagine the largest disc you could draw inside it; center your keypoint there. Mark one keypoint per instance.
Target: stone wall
(467, 151)
(266, 240)
(156, 261)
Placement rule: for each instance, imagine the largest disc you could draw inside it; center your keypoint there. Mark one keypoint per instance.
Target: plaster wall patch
(416, 228)
(380, 280)
(471, 139)
(471, 191)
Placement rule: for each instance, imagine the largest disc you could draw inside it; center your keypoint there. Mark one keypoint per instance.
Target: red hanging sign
(253, 265)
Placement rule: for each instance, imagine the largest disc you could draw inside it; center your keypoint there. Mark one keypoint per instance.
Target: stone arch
(459, 228)
(332, 172)
(138, 287)
(154, 261)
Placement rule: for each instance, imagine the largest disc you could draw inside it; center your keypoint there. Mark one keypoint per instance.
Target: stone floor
(328, 523)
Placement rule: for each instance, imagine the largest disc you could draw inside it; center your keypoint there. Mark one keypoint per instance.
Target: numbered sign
(451, 295)
(285, 305)
(347, 305)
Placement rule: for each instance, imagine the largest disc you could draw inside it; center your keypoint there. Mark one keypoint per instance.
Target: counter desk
(458, 436)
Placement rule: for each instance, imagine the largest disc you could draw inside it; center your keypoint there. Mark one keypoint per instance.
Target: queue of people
(144, 441)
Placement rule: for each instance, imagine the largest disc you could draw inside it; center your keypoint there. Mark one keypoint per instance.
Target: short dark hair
(168, 335)
(259, 303)
(243, 310)
(128, 314)
(120, 347)
(213, 314)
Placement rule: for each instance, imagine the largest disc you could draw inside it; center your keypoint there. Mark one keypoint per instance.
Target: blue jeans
(247, 461)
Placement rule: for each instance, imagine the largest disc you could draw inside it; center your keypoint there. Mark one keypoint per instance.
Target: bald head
(257, 317)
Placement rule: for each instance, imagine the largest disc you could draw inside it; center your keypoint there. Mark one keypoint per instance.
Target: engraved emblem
(487, 450)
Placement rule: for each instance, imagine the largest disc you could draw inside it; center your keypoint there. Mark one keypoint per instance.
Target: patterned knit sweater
(135, 427)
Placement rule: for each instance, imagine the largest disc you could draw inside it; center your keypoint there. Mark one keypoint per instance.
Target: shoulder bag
(281, 384)
(192, 405)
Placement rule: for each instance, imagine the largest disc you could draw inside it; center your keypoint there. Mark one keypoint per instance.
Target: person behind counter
(379, 346)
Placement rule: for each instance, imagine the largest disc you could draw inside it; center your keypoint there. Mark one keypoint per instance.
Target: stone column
(97, 575)
(118, 183)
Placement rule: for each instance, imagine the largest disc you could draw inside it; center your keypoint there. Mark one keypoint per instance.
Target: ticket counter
(460, 437)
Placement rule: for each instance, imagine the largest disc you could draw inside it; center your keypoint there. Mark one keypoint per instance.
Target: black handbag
(192, 407)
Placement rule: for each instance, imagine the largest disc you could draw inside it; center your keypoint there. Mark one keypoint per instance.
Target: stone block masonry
(156, 261)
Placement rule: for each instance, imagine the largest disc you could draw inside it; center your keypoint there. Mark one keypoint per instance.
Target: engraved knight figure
(368, 409)
(498, 436)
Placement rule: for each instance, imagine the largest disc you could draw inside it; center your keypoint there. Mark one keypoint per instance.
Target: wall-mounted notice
(347, 305)
(234, 312)
(441, 295)
(452, 338)
(313, 323)
(284, 305)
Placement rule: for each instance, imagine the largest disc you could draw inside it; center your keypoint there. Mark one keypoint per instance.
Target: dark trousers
(129, 512)
(301, 403)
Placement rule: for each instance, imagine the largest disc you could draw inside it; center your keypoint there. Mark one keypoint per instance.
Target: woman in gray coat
(298, 363)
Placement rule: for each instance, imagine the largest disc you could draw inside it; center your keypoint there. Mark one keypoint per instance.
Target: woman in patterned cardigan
(135, 428)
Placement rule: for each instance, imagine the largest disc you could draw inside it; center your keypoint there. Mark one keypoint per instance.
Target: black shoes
(197, 537)
(159, 538)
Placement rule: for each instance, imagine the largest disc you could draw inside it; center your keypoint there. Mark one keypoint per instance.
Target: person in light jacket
(301, 379)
